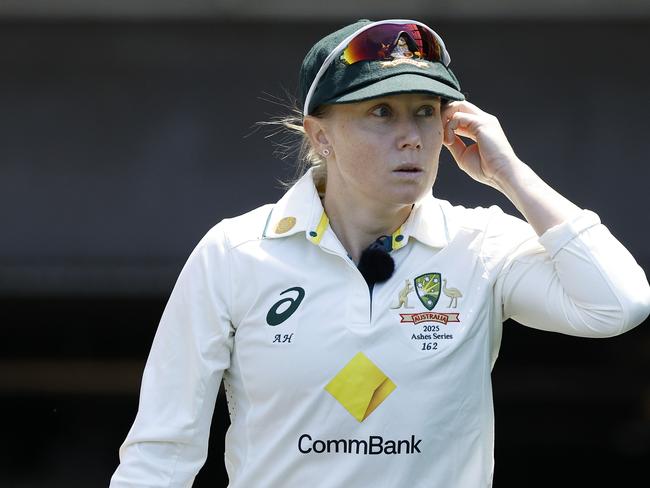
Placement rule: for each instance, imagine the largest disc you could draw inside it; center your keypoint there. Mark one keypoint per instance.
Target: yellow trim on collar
(317, 235)
(398, 239)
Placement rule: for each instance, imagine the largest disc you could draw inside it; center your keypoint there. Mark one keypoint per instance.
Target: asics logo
(275, 317)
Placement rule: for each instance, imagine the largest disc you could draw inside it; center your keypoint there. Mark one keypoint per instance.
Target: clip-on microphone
(376, 264)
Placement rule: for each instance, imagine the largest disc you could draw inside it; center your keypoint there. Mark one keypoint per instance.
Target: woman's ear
(316, 130)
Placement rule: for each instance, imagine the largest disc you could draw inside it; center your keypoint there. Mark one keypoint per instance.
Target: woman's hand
(492, 161)
(492, 157)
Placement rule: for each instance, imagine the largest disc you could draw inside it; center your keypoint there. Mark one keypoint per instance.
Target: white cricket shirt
(331, 385)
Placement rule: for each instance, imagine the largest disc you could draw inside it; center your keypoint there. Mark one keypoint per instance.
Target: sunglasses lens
(378, 43)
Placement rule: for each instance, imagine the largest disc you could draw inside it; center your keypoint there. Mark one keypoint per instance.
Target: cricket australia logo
(427, 286)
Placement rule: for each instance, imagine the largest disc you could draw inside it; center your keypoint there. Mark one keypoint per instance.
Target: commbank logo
(373, 445)
(360, 387)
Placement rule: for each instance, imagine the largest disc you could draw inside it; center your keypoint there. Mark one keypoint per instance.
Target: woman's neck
(358, 223)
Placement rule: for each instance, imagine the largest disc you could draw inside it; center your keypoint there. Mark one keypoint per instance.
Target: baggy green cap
(343, 83)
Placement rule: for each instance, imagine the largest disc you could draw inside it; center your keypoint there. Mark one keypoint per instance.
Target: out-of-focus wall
(333, 10)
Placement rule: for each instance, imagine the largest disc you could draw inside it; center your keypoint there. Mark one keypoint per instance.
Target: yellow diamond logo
(360, 387)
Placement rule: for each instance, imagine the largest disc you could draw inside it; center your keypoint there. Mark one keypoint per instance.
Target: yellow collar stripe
(398, 239)
(317, 235)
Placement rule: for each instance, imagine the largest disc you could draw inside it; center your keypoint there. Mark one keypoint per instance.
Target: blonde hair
(288, 136)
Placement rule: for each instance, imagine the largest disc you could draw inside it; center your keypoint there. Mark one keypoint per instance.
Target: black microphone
(376, 264)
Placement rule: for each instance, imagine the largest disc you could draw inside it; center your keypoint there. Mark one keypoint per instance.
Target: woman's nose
(409, 135)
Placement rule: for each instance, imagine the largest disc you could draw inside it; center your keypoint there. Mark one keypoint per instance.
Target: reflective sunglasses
(378, 41)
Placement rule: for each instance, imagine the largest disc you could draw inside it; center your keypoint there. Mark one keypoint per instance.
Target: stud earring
(325, 152)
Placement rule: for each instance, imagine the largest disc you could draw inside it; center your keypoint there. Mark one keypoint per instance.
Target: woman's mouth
(408, 169)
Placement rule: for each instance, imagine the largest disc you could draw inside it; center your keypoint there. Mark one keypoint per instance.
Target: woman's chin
(405, 196)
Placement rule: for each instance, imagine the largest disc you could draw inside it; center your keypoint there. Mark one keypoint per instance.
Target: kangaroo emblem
(403, 298)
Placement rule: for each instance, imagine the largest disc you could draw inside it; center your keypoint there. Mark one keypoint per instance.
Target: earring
(325, 152)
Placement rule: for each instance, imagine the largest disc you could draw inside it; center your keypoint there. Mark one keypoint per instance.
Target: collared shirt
(329, 385)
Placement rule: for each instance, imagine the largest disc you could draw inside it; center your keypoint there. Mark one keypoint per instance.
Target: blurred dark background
(127, 130)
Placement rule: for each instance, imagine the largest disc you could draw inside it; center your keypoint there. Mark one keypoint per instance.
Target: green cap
(339, 82)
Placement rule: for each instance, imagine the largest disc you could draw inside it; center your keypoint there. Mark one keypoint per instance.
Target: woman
(357, 320)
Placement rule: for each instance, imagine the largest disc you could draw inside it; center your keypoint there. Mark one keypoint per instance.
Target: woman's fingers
(457, 148)
(465, 107)
(462, 124)
(452, 107)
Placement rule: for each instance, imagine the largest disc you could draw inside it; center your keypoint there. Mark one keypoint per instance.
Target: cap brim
(401, 83)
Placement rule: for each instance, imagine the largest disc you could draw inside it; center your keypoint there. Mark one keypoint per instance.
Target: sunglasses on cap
(379, 41)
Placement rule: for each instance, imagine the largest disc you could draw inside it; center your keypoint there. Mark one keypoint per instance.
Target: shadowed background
(127, 131)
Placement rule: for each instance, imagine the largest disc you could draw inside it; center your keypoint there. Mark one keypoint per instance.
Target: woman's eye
(381, 111)
(427, 111)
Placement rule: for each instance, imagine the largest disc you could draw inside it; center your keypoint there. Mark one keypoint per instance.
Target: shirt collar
(428, 223)
(301, 210)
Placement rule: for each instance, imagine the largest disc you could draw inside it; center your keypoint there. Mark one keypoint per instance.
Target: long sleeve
(582, 282)
(167, 444)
